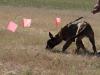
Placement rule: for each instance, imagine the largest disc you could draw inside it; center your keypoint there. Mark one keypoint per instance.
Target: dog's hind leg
(92, 40)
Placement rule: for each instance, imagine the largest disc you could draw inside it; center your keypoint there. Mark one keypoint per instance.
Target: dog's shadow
(92, 54)
(88, 53)
(55, 51)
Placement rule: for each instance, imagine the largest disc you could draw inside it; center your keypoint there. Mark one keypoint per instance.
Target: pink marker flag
(58, 21)
(12, 26)
(27, 22)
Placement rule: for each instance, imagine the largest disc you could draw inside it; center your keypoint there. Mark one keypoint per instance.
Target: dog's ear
(50, 35)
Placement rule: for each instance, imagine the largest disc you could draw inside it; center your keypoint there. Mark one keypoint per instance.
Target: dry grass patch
(24, 53)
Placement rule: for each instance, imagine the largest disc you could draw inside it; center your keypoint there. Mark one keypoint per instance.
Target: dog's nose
(47, 47)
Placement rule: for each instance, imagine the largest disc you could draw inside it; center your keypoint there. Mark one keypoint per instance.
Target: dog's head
(52, 42)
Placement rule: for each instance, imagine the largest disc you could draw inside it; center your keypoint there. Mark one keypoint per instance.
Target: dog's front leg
(66, 45)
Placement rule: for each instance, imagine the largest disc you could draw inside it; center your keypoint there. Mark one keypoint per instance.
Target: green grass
(59, 4)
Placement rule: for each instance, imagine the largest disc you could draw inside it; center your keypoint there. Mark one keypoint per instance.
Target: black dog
(73, 32)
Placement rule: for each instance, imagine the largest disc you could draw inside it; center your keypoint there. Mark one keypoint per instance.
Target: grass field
(24, 53)
(59, 4)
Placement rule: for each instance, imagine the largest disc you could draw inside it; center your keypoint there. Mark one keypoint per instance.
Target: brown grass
(23, 52)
